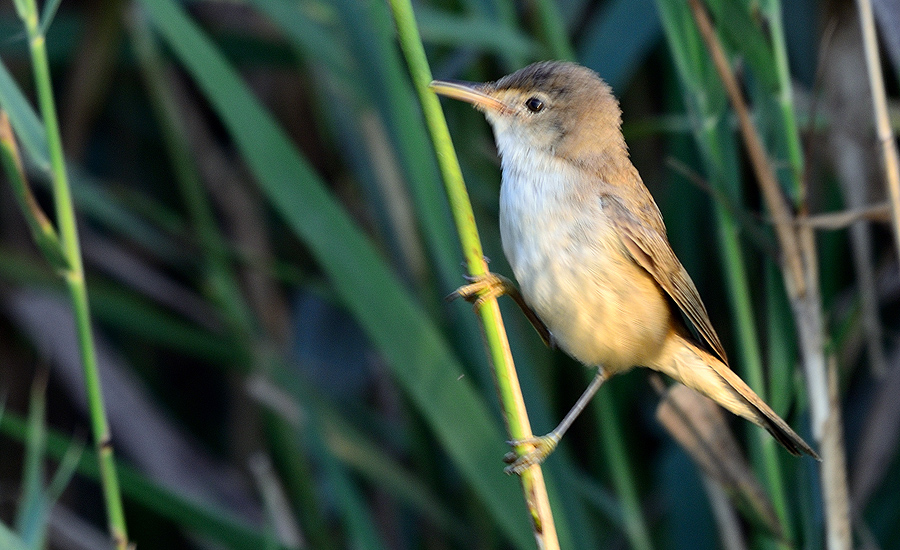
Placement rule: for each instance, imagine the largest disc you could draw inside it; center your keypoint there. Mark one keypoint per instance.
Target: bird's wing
(649, 247)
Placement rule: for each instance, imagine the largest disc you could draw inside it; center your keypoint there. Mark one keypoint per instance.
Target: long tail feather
(687, 363)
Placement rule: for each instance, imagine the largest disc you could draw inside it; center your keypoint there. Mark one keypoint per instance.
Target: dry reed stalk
(801, 281)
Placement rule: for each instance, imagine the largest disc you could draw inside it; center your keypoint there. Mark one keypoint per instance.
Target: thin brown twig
(825, 221)
(781, 215)
(834, 85)
(891, 164)
(841, 220)
(798, 277)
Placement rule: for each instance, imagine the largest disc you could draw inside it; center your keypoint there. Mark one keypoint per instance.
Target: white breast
(534, 218)
(572, 269)
(544, 235)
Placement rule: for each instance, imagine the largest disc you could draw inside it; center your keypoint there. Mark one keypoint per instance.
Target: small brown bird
(588, 246)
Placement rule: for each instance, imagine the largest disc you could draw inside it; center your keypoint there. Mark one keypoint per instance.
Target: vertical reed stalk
(74, 274)
(882, 120)
(510, 394)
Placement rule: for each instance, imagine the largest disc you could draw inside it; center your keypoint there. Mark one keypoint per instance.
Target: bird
(589, 249)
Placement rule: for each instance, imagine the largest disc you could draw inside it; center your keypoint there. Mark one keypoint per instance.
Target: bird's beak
(468, 92)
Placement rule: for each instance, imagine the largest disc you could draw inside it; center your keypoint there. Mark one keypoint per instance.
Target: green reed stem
(785, 100)
(495, 335)
(74, 275)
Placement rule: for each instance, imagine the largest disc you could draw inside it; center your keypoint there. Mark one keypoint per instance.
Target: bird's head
(553, 107)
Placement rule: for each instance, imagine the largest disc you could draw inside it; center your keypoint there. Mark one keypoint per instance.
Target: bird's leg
(491, 285)
(520, 460)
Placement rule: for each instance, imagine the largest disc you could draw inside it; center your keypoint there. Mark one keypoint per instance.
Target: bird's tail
(687, 363)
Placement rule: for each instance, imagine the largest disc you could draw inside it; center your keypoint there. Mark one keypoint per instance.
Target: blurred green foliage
(268, 244)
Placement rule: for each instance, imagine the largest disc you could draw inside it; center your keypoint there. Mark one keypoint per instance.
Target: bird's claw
(541, 447)
(481, 288)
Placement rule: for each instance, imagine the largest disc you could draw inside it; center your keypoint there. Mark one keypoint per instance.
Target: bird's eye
(534, 104)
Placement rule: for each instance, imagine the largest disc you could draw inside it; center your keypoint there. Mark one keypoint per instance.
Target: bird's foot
(482, 288)
(541, 447)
